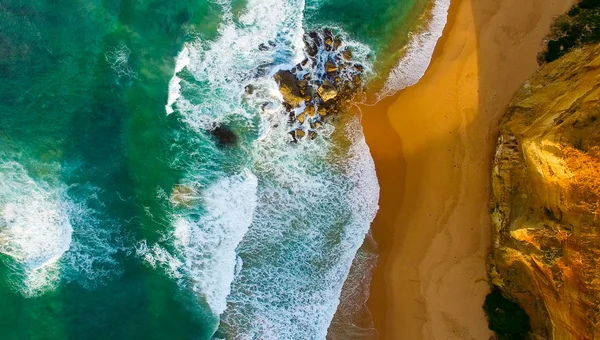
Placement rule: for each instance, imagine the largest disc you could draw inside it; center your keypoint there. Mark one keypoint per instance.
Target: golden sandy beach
(432, 145)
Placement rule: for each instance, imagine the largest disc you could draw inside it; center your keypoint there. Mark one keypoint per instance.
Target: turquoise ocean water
(120, 221)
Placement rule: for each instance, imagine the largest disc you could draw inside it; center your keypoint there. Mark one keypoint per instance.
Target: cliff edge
(545, 202)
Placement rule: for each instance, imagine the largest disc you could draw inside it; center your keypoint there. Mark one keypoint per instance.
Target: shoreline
(432, 144)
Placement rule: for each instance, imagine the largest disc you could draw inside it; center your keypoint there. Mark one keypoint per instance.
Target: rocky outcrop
(545, 203)
(288, 86)
(324, 83)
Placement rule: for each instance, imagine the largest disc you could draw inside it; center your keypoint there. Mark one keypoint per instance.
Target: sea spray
(35, 230)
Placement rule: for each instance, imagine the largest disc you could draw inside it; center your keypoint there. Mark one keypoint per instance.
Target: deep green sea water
(93, 244)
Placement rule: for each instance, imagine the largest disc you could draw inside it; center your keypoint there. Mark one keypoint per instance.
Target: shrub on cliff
(580, 26)
(506, 318)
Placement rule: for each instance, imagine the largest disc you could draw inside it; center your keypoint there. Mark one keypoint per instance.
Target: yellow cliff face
(545, 199)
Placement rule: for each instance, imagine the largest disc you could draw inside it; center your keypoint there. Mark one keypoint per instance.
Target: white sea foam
(118, 59)
(312, 216)
(313, 200)
(209, 244)
(205, 245)
(96, 240)
(181, 62)
(419, 51)
(225, 66)
(35, 230)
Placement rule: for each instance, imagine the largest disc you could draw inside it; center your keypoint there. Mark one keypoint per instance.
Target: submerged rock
(184, 195)
(224, 136)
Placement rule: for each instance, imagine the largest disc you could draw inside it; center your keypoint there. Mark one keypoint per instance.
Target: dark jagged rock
(327, 91)
(224, 136)
(311, 43)
(249, 89)
(347, 54)
(288, 88)
(328, 34)
(287, 107)
(293, 134)
(262, 70)
(300, 118)
(328, 43)
(330, 67)
(337, 43)
(325, 83)
(302, 84)
(263, 47)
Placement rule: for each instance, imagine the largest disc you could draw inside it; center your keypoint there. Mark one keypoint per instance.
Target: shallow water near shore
(121, 215)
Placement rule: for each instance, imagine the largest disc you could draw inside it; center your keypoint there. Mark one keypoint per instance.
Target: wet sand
(433, 144)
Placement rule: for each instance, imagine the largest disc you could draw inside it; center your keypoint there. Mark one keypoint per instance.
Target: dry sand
(433, 145)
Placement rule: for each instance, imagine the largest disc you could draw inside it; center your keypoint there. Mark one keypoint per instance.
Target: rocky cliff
(546, 199)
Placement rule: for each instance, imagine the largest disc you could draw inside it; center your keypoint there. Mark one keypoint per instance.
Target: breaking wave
(35, 230)
(419, 51)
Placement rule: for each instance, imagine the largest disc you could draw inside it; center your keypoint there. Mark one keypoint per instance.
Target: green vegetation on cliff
(580, 26)
(506, 317)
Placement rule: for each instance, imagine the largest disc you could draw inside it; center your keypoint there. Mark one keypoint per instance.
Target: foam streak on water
(419, 51)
